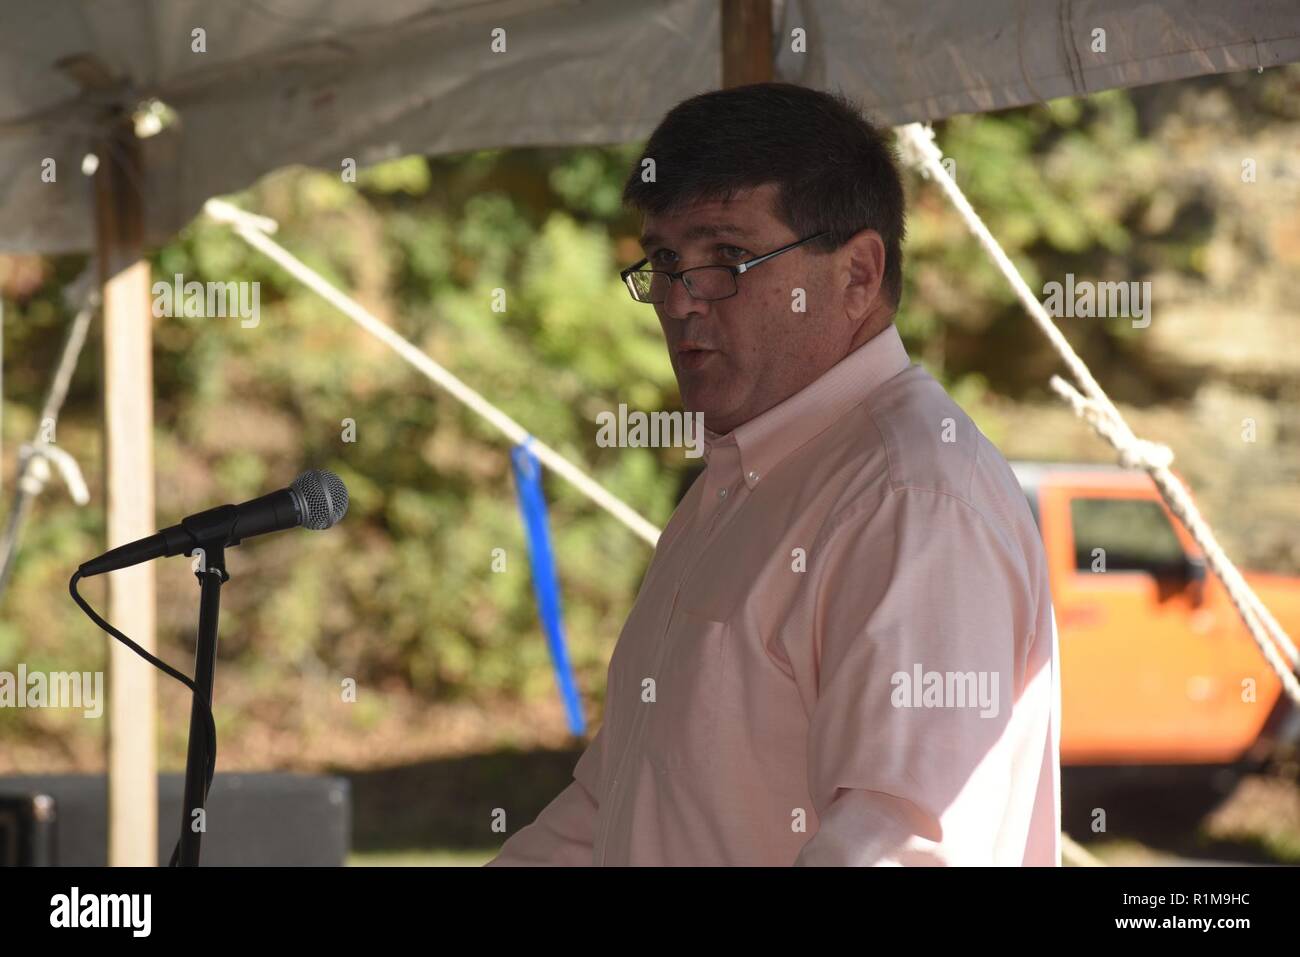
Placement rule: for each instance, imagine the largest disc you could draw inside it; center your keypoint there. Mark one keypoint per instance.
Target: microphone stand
(316, 499)
(211, 574)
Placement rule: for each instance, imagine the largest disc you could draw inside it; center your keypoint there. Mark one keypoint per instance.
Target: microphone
(316, 499)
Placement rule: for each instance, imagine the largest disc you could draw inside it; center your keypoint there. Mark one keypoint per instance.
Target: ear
(862, 272)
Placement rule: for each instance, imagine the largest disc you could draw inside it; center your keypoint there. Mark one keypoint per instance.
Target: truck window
(1135, 534)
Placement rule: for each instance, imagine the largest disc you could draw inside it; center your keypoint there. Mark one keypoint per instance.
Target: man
(843, 651)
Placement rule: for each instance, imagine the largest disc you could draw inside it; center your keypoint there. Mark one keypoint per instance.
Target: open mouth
(694, 357)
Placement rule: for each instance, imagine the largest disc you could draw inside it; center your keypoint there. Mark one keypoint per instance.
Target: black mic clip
(210, 532)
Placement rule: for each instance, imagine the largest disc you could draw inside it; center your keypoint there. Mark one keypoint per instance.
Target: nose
(679, 303)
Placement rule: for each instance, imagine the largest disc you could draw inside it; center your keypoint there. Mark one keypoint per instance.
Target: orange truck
(1156, 666)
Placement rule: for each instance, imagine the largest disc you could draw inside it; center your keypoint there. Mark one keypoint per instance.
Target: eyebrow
(702, 231)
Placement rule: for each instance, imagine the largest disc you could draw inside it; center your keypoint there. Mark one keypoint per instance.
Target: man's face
(736, 358)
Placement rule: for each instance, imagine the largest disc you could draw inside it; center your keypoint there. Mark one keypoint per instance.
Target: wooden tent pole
(746, 42)
(128, 494)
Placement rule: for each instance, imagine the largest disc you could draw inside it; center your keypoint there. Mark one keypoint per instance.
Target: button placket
(694, 545)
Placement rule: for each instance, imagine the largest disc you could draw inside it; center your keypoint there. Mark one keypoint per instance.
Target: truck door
(1139, 684)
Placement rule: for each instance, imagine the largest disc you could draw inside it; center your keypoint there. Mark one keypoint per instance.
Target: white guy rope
(253, 230)
(35, 458)
(918, 148)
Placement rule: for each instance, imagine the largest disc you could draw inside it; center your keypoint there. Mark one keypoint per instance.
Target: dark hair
(834, 170)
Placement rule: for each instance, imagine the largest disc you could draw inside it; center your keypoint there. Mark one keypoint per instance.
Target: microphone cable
(209, 722)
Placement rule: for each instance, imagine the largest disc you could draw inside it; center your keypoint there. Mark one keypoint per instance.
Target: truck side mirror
(1194, 578)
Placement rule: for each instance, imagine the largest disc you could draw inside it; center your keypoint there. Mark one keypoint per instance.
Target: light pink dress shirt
(843, 652)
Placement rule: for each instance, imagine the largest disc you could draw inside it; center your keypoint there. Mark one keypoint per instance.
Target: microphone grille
(324, 498)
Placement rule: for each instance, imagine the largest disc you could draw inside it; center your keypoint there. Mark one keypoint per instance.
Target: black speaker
(251, 820)
(26, 830)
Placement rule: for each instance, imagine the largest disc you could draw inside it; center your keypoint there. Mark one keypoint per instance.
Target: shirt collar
(768, 438)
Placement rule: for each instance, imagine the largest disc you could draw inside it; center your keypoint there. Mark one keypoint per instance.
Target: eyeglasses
(707, 283)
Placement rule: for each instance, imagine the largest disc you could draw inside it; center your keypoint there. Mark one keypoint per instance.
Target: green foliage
(401, 594)
(402, 591)
(1062, 186)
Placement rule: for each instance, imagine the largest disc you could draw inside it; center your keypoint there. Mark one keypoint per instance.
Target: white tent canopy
(317, 81)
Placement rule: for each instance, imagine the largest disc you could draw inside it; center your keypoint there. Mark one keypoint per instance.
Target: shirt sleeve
(564, 833)
(919, 614)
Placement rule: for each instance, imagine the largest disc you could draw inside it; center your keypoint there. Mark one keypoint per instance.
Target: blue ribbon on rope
(546, 585)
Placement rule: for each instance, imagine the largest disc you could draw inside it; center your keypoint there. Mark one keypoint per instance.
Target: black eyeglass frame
(735, 270)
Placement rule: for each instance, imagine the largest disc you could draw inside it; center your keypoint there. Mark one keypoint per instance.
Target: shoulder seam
(848, 515)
